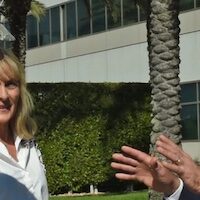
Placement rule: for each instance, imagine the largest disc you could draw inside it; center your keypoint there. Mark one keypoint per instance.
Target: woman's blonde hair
(22, 123)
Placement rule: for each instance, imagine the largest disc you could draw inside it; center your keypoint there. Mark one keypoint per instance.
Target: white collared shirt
(177, 193)
(23, 179)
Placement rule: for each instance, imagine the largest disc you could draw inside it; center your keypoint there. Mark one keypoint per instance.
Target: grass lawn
(127, 196)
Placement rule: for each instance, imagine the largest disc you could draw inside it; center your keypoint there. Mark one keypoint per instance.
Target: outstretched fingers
(125, 177)
(137, 155)
(122, 167)
(118, 157)
(169, 149)
(167, 144)
(174, 168)
(126, 165)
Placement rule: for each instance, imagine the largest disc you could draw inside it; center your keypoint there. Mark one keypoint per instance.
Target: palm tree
(163, 47)
(16, 12)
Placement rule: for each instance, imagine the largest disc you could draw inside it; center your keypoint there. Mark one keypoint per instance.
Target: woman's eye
(12, 84)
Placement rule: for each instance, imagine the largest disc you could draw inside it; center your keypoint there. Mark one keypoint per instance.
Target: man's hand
(181, 163)
(137, 165)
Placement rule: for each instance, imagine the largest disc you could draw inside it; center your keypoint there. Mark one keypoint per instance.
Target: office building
(75, 44)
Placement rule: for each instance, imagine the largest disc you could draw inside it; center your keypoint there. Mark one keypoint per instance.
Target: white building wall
(112, 56)
(115, 65)
(118, 55)
(189, 54)
(123, 64)
(193, 149)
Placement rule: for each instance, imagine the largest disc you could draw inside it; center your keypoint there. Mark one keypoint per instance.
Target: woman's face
(9, 95)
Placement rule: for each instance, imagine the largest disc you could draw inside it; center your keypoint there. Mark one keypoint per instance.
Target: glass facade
(190, 111)
(114, 14)
(44, 30)
(142, 14)
(198, 3)
(98, 16)
(83, 9)
(71, 20)
(55, 24)
(186, 4)
(130, 12)
(189, 122)
(84, 17)
(32, 32)
(188, 93)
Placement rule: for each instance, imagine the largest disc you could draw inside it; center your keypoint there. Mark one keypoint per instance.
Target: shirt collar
(17, 141)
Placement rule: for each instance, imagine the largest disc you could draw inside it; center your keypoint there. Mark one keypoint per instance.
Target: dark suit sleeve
(186, 194)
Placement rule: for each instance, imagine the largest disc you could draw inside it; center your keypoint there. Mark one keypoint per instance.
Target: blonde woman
(22, 173)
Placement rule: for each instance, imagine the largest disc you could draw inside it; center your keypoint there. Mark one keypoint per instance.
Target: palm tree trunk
(16, 12)
(18, 29)
(163, 46)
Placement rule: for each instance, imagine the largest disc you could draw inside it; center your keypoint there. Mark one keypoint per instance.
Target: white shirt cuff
(177, 193)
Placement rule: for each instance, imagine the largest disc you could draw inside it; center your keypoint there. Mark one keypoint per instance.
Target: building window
(44, 30)
(186, 4)
(189, 122)
(82, 17)
(32, 32)
(190, 111)
(98, 16)
(197, 3)
(130, 12)
(142, 14)
(55, 24)
(70, 14)
(83, 7)
(188, 93)
(114, 16)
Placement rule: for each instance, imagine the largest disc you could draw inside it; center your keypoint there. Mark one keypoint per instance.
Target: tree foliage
(82, 124)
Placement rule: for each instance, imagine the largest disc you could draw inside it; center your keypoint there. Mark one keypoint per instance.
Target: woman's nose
(3, 92)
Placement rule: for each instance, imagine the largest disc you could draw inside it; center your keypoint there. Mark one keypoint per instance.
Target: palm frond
(37, 9)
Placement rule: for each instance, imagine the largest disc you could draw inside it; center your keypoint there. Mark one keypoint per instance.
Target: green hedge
(82, 124)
